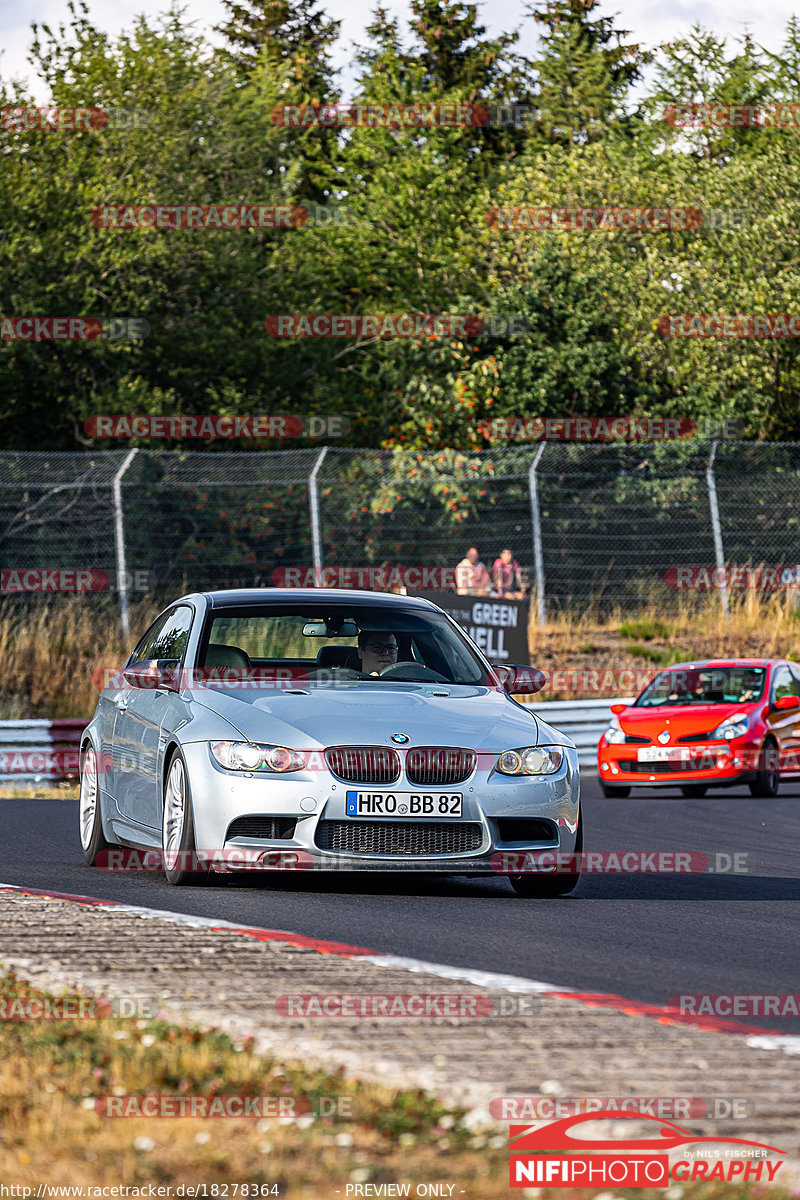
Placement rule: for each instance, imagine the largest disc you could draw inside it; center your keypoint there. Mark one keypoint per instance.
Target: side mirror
(154, 674)
(617, 708)
(786, 703)
(518, 680)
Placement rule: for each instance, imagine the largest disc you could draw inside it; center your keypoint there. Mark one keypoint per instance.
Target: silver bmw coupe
(290, 729)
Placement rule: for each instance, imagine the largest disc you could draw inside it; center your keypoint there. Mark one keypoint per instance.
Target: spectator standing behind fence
(507, 576)
(472, 578)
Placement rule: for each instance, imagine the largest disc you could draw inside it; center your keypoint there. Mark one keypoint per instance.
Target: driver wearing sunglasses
(377, 651)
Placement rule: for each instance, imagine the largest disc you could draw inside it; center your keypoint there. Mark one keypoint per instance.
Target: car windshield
(704, 685)
(324, 644)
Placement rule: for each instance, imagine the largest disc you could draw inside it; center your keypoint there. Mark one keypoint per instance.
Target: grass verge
(66, 790)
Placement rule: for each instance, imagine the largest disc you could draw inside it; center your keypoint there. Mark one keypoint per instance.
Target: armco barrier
(581, 720)
(39, 751)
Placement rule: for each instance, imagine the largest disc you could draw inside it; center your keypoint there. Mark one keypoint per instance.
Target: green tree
(699, 69)
(585, 71)
(295, 35)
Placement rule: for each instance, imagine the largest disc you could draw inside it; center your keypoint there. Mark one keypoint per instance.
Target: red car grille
(364, 764)
(439, 764)
(667, 768)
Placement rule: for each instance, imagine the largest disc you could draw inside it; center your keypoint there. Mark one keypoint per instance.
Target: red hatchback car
(706, 724)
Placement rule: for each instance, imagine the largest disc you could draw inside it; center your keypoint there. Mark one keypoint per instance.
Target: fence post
(717, 531)
(536, 523)
(119, 545)
(313, 504)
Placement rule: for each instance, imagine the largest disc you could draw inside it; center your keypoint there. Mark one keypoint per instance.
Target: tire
(693, 789)
(768, 776)
(544, 887)
(89, 813)
(177, 826)
(612, 792)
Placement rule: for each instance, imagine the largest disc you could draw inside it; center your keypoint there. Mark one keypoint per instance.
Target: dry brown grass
(50, 1071)
(67, 790)
(761, 626)
(49, 653)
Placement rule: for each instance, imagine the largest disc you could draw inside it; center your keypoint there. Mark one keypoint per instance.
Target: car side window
(171, 639)
(784, 684)
(141, 652)
(168, 638)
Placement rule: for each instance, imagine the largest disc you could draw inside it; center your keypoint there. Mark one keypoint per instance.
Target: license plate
(403, 804)
(664, 753)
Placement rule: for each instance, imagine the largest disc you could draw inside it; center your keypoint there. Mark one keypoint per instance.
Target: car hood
(475, 717)
(680, 720)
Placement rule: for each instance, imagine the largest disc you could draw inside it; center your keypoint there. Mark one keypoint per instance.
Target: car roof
(335, 596)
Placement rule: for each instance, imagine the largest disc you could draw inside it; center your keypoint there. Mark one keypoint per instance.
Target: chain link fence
(597, 526)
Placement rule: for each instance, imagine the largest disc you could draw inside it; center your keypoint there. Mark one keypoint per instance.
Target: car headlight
(248, 756)
(731, 727)
(533, 760)
(615, 733)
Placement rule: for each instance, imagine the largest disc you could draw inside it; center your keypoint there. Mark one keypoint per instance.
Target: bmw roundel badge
(400, 738)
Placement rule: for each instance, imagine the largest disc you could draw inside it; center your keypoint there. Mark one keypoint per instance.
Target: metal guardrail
(581, 720)
(39, 751)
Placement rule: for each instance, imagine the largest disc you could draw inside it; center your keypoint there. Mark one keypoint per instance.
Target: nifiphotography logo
(557, 1156)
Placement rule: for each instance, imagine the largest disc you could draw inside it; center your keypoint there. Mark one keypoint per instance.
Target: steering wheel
(413, 672)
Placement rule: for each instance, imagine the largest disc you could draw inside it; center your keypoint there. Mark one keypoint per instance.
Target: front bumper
(720, 762)
(311, 798)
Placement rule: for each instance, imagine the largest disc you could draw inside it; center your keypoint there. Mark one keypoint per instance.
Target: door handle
(121, 705)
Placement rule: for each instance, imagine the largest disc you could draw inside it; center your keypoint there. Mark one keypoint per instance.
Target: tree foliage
(399, 223)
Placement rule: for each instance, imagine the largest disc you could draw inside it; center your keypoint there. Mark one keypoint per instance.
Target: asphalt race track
(646, 937)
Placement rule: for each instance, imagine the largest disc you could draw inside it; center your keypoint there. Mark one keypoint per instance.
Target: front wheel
(545, 886)
(91, 822)
(768, 776)
(178, 847)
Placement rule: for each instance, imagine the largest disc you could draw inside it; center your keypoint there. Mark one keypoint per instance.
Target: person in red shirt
(507, 576)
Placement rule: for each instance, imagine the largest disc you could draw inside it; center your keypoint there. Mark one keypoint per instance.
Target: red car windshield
(704, 685)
